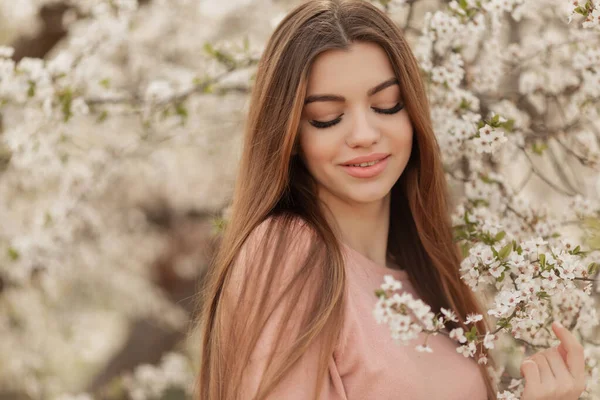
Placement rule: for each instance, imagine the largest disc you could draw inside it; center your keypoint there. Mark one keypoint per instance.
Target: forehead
(359, 68)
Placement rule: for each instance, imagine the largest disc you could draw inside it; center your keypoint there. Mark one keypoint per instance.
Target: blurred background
(119, 144)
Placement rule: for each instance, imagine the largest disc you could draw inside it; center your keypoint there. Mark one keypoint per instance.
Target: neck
(362, 226)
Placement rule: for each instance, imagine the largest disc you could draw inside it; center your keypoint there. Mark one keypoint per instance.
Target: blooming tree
(111, 121)
(108, 119)
(514, 87)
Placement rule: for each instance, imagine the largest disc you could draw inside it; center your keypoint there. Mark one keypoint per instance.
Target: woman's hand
(557, 373)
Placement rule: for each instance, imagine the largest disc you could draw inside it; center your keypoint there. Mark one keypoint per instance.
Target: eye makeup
(322, 125)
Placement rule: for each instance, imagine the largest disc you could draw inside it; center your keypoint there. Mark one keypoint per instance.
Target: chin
(369, 196)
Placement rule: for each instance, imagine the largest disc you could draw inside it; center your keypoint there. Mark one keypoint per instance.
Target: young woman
(340, 183)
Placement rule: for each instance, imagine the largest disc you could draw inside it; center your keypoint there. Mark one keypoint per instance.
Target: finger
(574, 350)
(546, 375)
(562, 351)
(531, 373)
(558, 367)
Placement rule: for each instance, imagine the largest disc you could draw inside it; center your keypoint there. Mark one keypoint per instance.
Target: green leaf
(495, 121)
(519, 250)
(543, 295)
(504, 323)
(47, 219)
(471, 12)
(593, 268)
(105, 83)
(209, 48)
(582, 11)
(460, 234)
(486, 179)
(219, 55)
(13, 254)
(181, 111)
(218, 224)
(592, 223)
(102, 117)
(472, 334)
(485, 238)
(538, 148)
(31, 89)
(505, 251)
(589, 5)
(499, 236)
(463, 4)
(543, 260)
(465, 247)
(66, 99)
(5, 157)
(508, 125)
(380, 293)
(501, 277)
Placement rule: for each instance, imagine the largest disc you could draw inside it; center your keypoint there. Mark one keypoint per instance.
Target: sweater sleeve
(297, 383)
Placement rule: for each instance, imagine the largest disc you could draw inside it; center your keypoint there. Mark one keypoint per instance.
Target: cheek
(403, 134)
(318, 150)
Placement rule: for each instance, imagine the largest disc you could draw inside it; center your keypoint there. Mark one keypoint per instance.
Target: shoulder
(275, 251)
(283, 224)
(289, 231)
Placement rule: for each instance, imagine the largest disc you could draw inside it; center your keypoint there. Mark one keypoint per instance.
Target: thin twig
(578, 278)
(533, 56)
(409, 16)
(543, 177)
(200, 88)
(509, 208)
(458, 178)
(561, 173)
(525, 181)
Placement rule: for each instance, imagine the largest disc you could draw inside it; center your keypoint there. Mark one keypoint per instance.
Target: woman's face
(348, 113)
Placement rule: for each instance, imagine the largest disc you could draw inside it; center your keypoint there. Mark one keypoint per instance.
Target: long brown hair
(273, 182)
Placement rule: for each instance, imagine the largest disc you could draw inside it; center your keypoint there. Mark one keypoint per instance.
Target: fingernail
(558, 324)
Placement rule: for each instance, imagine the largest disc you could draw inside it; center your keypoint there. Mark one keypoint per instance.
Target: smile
(366, 169)
(365, 164)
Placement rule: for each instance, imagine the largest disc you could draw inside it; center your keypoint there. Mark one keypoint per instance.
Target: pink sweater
(367, 363)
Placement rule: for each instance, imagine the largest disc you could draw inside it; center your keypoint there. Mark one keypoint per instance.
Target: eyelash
(387, 111)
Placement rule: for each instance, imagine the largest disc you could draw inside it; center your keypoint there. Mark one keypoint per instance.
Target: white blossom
(488, 341)
(472, 318)
(458, 334)
(390, 283)
(424, 349)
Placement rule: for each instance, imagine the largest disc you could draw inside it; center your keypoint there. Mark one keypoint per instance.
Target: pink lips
(366, 172)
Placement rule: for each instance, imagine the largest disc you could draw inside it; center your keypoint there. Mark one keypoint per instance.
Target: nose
(364, 132)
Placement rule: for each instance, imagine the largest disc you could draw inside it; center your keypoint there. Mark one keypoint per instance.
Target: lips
(368, 158)
(366, 172)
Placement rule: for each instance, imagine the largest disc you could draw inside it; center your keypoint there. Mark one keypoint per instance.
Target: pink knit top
(367, 363)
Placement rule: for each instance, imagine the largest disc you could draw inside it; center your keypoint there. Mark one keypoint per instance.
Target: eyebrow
(333, 97)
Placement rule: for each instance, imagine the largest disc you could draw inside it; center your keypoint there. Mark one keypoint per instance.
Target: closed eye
(393, 110)
(326, 124)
